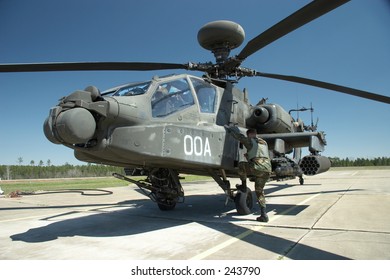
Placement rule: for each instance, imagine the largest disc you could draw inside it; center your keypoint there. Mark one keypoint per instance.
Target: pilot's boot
(242, 187)
(263, 215)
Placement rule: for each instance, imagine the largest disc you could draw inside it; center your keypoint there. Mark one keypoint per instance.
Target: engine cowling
(270, 118)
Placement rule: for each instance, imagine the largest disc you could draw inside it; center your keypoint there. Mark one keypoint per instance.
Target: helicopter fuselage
(175, 121)
(143, 129)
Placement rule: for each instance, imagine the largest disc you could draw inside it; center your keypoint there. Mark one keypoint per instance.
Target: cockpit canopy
(172, 95)
(133, 89)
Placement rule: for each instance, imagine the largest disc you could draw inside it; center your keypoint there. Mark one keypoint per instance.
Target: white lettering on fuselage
(196, 146)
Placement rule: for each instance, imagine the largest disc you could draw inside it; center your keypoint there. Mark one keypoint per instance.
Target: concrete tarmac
(342, 214)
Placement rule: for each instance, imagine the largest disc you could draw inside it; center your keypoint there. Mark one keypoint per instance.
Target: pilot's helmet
(160, 93)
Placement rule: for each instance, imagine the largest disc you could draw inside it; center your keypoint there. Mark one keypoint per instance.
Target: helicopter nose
(74, 119)
(73, 126)
(76, 125)
(49, 132)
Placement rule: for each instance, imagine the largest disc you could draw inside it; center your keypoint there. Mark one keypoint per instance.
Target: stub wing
(283, 143)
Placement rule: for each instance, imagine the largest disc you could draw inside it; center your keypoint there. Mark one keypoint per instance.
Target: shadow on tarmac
(143, 216)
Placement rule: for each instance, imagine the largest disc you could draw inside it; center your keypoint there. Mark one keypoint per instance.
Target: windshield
(133, 89)
(206, 95)
(171, 97)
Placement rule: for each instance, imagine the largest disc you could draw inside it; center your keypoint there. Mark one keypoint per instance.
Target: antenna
(311, 113)
(312, 126)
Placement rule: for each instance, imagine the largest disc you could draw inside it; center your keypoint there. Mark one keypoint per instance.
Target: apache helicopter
(175, 124)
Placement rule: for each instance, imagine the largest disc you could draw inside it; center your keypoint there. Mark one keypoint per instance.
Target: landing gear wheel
(301, 180)
(244, 202)
(166, 189)
(166, 205)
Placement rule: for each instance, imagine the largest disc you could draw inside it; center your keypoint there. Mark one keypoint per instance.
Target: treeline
(14, 172)
(379, 161)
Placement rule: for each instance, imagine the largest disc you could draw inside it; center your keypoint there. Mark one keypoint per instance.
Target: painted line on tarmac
(241, 236)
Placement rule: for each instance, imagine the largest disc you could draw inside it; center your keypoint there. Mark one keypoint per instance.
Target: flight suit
(258, 165)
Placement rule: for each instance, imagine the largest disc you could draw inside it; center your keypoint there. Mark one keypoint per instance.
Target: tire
(244, 202)
(166, 206)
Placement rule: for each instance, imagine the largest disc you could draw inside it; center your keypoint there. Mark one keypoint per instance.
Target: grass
(72, 183)
(106, 182)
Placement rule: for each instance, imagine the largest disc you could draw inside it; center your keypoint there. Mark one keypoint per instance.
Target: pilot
(258, 164)
(161, 92)
(161, 105)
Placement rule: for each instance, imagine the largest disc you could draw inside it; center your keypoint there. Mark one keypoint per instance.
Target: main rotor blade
(306, 14)
(89, 66)
(315, 83)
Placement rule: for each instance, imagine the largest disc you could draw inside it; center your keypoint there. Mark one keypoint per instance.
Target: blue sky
(349, 46)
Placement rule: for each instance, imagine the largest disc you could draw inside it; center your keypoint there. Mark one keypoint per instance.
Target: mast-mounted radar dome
(220, 37)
